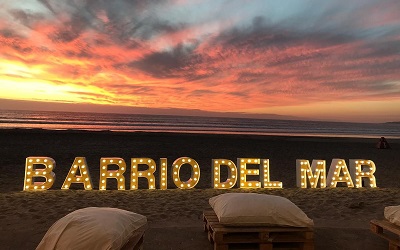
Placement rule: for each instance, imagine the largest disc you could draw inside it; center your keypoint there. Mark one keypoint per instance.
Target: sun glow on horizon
(340, 110)
(21, 82)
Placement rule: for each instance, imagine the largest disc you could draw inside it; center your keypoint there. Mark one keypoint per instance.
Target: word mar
(39, 173)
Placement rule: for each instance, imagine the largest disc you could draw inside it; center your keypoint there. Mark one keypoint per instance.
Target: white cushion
(251, 209)
(94, 228)
(392, 214)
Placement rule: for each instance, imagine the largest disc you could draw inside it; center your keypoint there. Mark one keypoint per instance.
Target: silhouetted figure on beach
(383, 144)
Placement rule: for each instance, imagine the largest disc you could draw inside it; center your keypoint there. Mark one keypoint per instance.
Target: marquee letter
(194, 176)
(265, 181)
(32, 172)
(314, 174)
(358, 167)
(244, 172)
(110, 174)
(337, 167)
(79, 165)
(163, 174)
(148, 174)
(216, 176)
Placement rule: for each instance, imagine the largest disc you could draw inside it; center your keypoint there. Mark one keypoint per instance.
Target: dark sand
(174, 215)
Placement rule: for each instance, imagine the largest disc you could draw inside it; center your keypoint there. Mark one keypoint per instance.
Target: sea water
(53, 120)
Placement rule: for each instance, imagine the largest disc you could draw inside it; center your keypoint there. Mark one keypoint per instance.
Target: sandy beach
(341, 215)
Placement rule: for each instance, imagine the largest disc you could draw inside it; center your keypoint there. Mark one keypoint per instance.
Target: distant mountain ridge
(102, 108)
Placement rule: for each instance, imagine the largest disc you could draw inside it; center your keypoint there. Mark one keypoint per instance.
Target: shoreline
(194, 133)
(212, 132)
(341, 215)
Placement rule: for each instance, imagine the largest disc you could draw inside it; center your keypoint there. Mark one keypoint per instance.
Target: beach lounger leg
(308, 246)
(219, 243)
(376, 229)
(391, 232)
(210, 238)
(266, 246)
(220, 246)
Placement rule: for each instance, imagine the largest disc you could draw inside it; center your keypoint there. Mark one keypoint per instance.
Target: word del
(39, 173)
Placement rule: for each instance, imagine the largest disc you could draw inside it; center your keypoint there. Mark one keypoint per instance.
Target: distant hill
(99, 108)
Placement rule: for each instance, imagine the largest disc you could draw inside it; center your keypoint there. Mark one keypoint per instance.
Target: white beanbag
(392, 214)
(94, 228)
(251, 209)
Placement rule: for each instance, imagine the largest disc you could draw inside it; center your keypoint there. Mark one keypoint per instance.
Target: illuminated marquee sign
(39, 173)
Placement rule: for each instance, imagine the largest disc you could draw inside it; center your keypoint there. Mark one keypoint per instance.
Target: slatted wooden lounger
(266, 238)
(388, 231)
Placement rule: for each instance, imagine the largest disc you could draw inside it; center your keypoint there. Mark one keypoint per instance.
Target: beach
(341, 215)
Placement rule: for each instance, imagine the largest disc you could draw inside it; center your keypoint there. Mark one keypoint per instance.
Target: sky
(318, 60)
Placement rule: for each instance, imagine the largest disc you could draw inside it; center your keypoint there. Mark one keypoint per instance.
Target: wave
(191, 124)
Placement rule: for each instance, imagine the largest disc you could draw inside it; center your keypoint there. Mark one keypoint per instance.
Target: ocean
(53, 120)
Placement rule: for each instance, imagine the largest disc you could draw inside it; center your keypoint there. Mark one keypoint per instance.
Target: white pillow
(94, 228)
(250, 209)
(392, 214)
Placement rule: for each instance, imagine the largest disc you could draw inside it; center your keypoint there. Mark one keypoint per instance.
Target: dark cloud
(192, 76)
(47, 4)
(382, 48)
(25, 17)
(83, 52)
(125, 19)
(203, 92)
(304, 52)
(9, 34)
(239, 94)
(121, 20)
(70, 30)
(165, 64)
(353, 86)
(250, 77)
(263, 35)
(15, 42)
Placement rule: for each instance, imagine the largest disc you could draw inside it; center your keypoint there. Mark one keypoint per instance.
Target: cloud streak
(201, 55)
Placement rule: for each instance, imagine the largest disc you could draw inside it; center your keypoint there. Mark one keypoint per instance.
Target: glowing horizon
(330, 60)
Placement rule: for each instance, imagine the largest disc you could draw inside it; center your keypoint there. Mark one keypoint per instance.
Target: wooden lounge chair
(388, 231)
(265, 237)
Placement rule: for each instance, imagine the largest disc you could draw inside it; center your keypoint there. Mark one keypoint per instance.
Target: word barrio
(41, 168)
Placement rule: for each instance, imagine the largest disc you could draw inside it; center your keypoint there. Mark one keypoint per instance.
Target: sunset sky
(321, 60)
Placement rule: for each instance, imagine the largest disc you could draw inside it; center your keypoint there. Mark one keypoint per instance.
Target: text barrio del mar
(40, 175)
